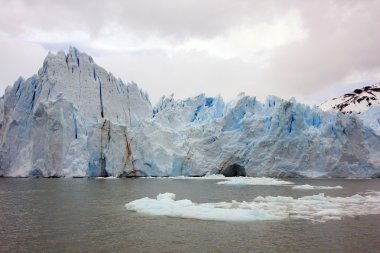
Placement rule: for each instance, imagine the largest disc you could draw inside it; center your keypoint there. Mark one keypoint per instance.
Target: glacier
(75, 119)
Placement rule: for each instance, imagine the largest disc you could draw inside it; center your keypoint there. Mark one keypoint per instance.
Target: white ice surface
(318, 208)
(207, 177)
(166, 205)
(254, 181)
(315, 187)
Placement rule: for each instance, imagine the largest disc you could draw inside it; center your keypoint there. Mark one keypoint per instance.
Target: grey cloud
(342, 38)
(18, 58)
(168, 18)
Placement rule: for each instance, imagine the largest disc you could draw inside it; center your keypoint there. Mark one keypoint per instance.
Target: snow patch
(357, 101)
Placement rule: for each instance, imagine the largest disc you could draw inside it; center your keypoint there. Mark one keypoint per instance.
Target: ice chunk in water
(315, 207)
(254, 181)
(315, 187)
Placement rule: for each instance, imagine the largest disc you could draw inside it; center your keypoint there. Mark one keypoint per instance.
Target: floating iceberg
(317, 208)
(166, 205)
(107, 178)
(254, 181)
(314, 187)
(206, 177)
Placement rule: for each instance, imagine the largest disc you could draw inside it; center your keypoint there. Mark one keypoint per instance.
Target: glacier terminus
(75, 119)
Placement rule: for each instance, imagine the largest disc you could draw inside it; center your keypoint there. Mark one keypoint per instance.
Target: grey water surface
(88, 215)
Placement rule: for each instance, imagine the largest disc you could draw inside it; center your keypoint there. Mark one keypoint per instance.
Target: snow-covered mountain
(75, 119)
(357, 101)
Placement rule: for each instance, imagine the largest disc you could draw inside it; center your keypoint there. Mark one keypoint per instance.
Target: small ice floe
(358, 178)
(315, 187)
(254, 181)
(166, 205)
(235, 180)
(206, 177)
(107, 178)
(318, 208)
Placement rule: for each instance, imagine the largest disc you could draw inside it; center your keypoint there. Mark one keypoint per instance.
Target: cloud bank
(310, 50)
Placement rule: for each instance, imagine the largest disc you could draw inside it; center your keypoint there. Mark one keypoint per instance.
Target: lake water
(88, 215)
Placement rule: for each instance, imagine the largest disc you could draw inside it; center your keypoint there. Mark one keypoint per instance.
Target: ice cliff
(75, 119)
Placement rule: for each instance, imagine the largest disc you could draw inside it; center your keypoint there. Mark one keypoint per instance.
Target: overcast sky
(310, 50)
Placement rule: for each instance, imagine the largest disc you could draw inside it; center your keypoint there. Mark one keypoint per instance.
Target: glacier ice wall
(75, 119)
